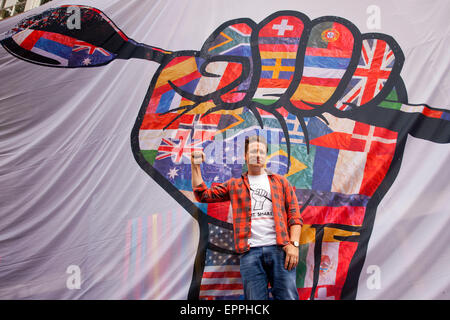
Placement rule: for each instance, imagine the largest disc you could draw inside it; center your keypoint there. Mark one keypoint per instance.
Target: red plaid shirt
(237, 190)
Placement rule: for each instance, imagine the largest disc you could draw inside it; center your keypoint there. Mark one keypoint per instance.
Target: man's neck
(256, 171)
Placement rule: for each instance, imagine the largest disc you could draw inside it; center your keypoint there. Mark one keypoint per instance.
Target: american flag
(221, 276)
(374, 67)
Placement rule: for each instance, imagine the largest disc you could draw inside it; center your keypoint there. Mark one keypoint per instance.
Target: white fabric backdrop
(71, 191)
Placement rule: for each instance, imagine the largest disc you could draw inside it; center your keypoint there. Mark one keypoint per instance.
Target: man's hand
(197, 157)
(291, 256)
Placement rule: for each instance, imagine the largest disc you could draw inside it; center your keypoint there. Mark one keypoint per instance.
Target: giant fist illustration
(329, 100)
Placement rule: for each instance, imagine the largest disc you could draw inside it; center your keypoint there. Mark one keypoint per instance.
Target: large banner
(103, 101)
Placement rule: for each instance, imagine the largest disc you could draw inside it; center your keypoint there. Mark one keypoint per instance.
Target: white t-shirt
(263, 224)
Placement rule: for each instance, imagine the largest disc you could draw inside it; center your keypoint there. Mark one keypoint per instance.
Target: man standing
(266, 222)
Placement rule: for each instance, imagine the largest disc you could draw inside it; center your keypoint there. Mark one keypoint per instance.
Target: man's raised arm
(218, 193)
(197, 157)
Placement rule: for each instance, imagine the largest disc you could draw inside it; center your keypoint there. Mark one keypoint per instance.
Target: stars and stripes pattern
(221, 276)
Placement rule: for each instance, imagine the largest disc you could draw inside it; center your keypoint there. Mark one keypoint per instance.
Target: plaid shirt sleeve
(291, 204)
(218, 193)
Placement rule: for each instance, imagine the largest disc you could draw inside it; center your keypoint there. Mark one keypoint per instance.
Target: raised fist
(259, 195)
(197, 157)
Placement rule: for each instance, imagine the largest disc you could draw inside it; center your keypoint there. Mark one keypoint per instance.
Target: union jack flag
(190, 136)
(178, 149)
(374, 67)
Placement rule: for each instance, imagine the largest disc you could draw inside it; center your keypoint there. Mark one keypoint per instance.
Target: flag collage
(330, 99)
(336, 163)
(338, 150)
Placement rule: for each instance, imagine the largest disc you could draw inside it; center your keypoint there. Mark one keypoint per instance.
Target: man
(266, 222)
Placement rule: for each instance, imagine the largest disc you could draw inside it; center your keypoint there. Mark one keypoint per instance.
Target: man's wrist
(295, 243)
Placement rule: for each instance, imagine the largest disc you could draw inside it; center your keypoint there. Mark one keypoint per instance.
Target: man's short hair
(255, 138)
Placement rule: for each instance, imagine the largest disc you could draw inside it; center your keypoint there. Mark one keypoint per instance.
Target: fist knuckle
(298, 37)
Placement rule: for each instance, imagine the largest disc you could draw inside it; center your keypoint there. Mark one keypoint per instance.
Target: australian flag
(57, 49)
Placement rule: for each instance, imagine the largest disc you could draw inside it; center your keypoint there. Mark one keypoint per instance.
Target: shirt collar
(245, 177)
(269, 173)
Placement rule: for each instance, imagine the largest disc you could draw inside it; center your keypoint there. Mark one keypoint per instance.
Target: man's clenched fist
(197, 157)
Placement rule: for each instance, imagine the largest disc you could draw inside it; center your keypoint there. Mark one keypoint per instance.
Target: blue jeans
(263, 265)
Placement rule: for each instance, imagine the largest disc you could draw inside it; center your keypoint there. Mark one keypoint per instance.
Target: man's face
(256, 154)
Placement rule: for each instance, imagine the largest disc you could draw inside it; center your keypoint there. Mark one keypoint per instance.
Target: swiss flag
(283, 26)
